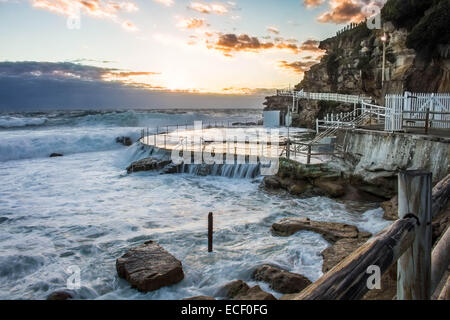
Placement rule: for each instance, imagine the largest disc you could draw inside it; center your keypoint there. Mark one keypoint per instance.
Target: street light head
(384, 38)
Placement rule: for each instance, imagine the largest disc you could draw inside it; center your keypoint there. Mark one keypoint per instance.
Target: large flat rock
(331, 231)
(149, 267)
(281, 280)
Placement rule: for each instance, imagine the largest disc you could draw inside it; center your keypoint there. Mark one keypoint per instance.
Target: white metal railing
(324, 96)
(346, 119)
(417, 110)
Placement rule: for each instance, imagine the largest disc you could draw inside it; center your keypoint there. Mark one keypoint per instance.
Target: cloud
(298, 67)
(190, 23)
(93, 8)
(66, 70)
(167, 3)
(232, 43)
(274, 30)
(313, 3)
(344, 11)
(129, 26)
(216, 8)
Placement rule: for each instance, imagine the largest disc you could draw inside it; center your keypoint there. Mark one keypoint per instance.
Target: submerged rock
(149, 267)
(281, 280)
(54, 155)
(126, 141)
(147, 164)
(331, 231)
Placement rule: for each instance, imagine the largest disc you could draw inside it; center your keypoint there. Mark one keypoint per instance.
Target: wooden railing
(406, 242)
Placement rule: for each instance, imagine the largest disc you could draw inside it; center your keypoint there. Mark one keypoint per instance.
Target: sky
(241, 47)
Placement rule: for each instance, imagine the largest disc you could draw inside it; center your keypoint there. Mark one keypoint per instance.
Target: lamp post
(383, 39)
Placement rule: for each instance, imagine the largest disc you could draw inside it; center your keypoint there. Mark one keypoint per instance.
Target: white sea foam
(84, 210)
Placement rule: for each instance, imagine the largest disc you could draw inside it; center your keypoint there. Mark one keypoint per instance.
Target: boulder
(149, 267)
(54, 155)
(281, 280)
(200, 298)
(331, 231)
(297, 189)
(126, 141)
(390, 208)
(60, 295)
(272, 183)
(332, 188)
(255, 293)
(233, 289)
(338, 251)
(147, 164)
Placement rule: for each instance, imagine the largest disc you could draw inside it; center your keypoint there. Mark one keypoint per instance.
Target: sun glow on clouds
(167, 3)
(94, 8)
(216, 8)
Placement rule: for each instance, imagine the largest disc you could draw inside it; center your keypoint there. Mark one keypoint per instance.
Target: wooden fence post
(414, 266)
(210, 232)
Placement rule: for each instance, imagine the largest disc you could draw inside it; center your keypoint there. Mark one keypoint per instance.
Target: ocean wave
(17, 145)
(17, 122)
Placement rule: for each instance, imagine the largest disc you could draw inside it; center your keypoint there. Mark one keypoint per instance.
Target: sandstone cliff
(417, 60)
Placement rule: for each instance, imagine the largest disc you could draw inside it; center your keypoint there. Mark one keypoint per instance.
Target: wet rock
(255, 293)
(390, 209)
(54, 155)
(126, 141)
(171, 168)
(272, 182)
(199, 298)
(331, 231)
(60, 295)
(281, 280)
(297, 189)
(149, 267)
(233, 289)
(339, 251)
(147, 164)
(332, 188)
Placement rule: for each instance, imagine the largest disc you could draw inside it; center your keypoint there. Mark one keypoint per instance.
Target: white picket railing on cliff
(417, 110)
(324, 96)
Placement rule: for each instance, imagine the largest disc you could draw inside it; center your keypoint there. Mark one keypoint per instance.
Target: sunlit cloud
(298, 67)
(273, 29)
(344, 11)
(167, 3)
(207, 8)
(93, 8)
(129, 26)
(190, 23)
(313, 3)
(233, 43)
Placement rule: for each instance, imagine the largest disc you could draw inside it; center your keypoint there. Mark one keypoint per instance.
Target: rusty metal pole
(210, 232)
(427, 120)
(308, 159)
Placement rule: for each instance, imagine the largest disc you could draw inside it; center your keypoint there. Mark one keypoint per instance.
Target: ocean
(83, 210)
